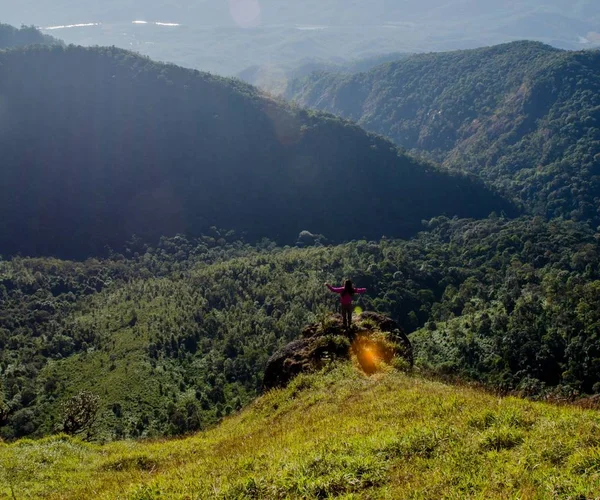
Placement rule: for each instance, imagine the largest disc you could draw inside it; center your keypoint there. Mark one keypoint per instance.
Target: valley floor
(335, 434)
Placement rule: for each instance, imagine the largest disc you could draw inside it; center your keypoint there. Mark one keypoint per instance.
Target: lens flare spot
(245, 13)
(287, 127)
(367, 354)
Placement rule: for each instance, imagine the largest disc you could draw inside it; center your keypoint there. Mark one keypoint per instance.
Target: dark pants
(347, 314)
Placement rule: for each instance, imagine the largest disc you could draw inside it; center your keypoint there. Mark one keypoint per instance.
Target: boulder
(372, 339)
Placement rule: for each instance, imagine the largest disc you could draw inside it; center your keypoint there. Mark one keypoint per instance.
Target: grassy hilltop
(335, 434)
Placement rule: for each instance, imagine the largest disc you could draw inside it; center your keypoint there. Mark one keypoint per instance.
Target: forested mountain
(173, 337)
(523, 116)
(11, 37)
(100, 144)
(275, 78)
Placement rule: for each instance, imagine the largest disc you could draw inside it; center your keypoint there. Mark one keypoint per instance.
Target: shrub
(80, 413)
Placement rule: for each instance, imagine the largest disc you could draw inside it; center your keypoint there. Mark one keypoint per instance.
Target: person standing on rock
(346, 295)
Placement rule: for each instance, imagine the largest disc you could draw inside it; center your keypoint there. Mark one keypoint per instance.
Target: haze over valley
(227, 36)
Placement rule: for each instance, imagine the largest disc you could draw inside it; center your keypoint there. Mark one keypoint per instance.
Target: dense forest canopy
(11, 37)
(100, 144)
(175, 336)
(523, 116)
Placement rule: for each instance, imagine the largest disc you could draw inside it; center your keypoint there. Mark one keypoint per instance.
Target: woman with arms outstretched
(346, 295)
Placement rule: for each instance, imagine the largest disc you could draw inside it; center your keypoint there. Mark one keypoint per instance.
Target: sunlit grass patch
(501, 438)
(338, 433)
(556, 452)
(589, 435)
(586, 462)
(322, 475)
(332, 475)
(35, 462)
(416, 442)
(138, 461)
(510, 417)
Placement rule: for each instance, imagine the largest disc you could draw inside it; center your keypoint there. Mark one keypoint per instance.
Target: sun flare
(368, 354)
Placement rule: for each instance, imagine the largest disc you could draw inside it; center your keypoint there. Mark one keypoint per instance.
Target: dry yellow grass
(335, 434)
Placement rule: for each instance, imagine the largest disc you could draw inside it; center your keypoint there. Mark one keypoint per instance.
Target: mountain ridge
(11, 37)
(130, 146)
(522, 116)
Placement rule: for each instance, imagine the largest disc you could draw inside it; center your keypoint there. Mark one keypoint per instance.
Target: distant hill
(100, 144)
(311, 12)
(276, 78)
(11, 37)
(523, 116)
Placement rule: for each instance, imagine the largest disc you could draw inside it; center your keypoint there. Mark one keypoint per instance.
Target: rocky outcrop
(373, 338)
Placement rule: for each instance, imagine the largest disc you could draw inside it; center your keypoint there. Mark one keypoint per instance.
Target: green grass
(335, 434)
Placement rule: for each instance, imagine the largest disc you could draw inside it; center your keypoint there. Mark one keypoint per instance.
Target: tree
(80, 413)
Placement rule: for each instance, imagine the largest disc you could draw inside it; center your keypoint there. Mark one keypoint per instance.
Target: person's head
(348, 287)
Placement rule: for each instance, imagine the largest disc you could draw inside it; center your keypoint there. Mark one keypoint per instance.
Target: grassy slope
(335, 434)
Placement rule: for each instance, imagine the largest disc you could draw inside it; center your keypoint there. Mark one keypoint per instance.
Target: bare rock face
(373, 338)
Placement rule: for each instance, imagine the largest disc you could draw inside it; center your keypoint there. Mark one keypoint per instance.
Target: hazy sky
(226, 36)
(256, 12)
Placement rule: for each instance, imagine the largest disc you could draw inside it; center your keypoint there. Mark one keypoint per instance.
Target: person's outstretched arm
(335, 289)
(360, 290)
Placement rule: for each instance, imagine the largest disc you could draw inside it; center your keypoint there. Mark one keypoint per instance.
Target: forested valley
(173, 337)
(164, 230)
